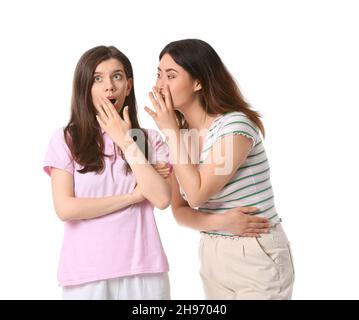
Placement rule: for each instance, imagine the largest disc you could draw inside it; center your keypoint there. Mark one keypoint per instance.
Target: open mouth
(113, 101)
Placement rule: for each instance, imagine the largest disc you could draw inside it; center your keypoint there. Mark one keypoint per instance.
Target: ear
(129, 86)
(197, 86)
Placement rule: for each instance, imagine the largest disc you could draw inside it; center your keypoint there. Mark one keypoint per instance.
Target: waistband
(218, 234)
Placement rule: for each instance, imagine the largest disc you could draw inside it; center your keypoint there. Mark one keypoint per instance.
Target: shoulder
(59, 131)
(58, 141)
(58, 154)
(58, 135)
(238, 121)
(235, 116)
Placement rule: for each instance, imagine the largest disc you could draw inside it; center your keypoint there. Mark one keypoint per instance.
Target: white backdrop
(297, 62)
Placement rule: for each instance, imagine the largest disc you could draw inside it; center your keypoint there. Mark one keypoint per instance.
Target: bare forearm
(73, 208)
(152, 185)
(194, 219)
(187, 173)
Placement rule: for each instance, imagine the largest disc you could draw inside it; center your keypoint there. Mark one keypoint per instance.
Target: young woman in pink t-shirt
(107, 174)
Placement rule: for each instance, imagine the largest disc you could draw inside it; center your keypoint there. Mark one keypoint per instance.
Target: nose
(160, 84)
(109, 85)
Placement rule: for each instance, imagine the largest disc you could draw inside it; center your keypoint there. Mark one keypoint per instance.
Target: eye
(158, 75)
(117, 76)
(171, 76)
(97, 78)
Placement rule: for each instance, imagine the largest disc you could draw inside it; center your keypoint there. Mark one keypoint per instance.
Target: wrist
(171, 134)
(125, 142)
(214, 222)
(136, 197)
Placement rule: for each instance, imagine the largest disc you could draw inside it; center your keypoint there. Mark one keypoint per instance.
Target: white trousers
(154, 286)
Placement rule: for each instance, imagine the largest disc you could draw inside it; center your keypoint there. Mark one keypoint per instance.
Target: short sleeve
(159, 149)
(238, 123)
(58, 155)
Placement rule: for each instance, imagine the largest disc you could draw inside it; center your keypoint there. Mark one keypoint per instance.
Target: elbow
(194, 202)
(196, 199)
(164, 202)
(63, 214)
(163, 205)
(65, 210)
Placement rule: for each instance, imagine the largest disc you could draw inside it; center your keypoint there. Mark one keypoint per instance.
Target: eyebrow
(115, 71)
(167, 70)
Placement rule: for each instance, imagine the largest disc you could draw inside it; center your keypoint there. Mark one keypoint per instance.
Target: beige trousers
(247, 268)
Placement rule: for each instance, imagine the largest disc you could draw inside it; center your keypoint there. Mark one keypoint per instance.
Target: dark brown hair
(220, 93)
(83, 134)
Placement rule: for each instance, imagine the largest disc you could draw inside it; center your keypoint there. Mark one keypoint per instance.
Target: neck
(197, 118)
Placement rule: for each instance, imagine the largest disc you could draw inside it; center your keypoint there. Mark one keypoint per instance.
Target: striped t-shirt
(250, 185)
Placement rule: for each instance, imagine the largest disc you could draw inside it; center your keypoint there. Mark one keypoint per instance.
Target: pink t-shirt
(123, 243)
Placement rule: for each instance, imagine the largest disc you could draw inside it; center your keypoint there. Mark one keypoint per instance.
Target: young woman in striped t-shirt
(222, 184)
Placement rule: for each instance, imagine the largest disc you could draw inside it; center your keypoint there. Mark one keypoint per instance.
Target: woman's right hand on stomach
(239, 222)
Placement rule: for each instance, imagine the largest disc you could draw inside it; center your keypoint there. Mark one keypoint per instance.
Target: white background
(297, 62)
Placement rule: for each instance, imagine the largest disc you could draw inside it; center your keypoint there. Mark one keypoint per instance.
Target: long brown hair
(83, 134)
(220, 93)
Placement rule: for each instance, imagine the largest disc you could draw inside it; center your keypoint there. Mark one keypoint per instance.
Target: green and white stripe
(250, 186)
